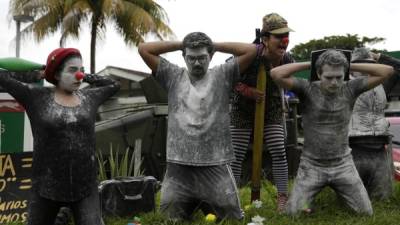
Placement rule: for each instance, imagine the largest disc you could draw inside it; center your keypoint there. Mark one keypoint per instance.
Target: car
(394, 130)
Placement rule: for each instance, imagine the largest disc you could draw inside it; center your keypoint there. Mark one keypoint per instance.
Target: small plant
(119, 166)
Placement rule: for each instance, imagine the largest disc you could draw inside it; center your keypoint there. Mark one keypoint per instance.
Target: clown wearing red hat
(64, 169)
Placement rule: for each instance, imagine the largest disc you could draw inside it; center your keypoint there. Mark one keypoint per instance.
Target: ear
(211, 54)
(57, 76)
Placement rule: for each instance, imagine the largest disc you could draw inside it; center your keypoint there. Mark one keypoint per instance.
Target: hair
(62, 65)
(360, 54)
(331, 57)
(197, 40)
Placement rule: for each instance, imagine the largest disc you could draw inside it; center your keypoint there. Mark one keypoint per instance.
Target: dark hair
(197, 40)
(62, 65)
(333, 58)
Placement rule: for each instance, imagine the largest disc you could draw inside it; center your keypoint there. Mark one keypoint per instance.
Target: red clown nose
(79, 75)
(285, 40)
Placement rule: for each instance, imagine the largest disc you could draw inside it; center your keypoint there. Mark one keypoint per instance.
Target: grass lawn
(328, 210)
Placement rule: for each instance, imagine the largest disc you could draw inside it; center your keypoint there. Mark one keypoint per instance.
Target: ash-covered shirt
(368, 118)
(198, 114)
(64, 163)
(326, 117)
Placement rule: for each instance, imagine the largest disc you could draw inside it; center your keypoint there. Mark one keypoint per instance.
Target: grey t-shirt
(198, 115)
(326, 117)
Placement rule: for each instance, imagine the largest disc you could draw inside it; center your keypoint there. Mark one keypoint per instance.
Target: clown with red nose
(272, 45)
(64, 166)
(64, 69)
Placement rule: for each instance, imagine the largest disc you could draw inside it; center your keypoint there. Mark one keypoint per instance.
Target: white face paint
(332, 78)
(67, 80)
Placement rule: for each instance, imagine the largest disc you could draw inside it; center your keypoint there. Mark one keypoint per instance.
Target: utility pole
(20, 19)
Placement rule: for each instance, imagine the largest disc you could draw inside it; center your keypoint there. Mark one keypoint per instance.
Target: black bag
(127, 196)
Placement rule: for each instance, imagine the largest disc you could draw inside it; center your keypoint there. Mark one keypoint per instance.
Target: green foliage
(328, 210)
(303, 51)
(115, 166)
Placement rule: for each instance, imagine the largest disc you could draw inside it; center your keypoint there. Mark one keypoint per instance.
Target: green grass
(328, 210)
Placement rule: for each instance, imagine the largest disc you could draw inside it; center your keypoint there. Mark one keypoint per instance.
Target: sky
(225, 20)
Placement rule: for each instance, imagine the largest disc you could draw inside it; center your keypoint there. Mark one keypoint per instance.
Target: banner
(15, 185)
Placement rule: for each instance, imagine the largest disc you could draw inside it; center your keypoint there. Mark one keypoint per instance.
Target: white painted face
(197, 61)
(67, 80)
(332, 78)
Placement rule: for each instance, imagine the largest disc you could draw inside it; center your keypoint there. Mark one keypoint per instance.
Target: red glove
(249, 92)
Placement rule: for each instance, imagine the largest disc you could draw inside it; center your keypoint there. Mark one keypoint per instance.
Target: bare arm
(377, 72)
(245, 53)
(151, 51)
(282, 75)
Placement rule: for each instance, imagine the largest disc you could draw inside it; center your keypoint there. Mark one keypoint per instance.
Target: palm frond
(137, 18)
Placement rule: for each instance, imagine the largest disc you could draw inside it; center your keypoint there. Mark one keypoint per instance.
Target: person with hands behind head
(64, 167)
(368, 131)
(198, 175)
(326, 107)
(271, 53)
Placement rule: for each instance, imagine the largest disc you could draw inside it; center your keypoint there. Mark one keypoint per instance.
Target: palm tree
(133, 19)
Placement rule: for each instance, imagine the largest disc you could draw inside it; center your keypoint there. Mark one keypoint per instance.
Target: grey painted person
(326, 106)
(199, 150)
(368, 132)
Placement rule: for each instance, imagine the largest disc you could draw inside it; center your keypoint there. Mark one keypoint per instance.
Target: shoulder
(225, 67)
(302, 83)
(358, 85)
(166, 65)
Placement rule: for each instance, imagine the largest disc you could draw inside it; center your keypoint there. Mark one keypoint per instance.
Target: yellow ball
(211, 217)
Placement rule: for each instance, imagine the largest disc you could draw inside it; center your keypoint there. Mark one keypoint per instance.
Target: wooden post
(258, 136)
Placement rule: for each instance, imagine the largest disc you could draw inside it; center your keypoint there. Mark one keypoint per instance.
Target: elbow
(274, 74)
(390, 72)
(142, 49)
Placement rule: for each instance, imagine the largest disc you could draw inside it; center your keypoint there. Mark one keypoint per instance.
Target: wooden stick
(258, 136)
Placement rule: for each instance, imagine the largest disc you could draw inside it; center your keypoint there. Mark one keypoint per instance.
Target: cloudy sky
(227, 20)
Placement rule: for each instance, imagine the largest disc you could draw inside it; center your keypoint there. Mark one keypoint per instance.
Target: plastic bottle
(19, 65)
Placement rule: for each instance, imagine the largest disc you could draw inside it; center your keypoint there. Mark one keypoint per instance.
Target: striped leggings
(274, 138)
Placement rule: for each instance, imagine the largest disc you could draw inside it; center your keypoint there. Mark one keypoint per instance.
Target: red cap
(55, 59)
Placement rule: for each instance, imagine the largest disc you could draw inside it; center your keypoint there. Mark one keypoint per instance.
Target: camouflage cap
(273, 23)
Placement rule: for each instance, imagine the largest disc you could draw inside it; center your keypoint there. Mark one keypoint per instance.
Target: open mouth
(283, 47)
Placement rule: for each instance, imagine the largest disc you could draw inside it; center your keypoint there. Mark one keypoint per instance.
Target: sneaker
(281, 202)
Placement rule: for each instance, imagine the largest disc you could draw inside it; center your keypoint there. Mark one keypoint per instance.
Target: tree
(133, 19)
(348, 42)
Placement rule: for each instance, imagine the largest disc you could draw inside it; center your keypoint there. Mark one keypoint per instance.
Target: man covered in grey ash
(326, 106)
(199, 150)
(368, 131)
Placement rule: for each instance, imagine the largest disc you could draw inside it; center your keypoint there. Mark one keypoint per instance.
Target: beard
(198, 71)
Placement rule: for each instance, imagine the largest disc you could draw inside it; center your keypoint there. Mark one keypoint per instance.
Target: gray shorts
(211, 189)
(341, 175)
